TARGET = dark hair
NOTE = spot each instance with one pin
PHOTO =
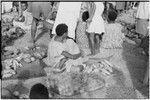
(61, 29)
(24, 2)
(39, 91)
(112, 15)
(85, 15)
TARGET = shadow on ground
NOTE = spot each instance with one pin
(136, 64)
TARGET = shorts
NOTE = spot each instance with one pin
(40, 9)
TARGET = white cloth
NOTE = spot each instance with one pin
(143, 10)
(72, 48)
(97, 24)
(7, 6)
(54, 52)
(68, 13)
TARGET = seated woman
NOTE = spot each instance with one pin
(24, 21)
(61, 50)
(114, 37)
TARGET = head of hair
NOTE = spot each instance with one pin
(85, 15)
(39, 91)
(24, 2)
(112, 15)
(61, 29)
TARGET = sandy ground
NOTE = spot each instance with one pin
(129, 60)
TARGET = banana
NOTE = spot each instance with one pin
(109, 66)
(106, 66)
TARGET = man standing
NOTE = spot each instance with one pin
(38, 10)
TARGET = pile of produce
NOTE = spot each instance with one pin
(9, 67)
(10, 35)
(9, 17)
(38, 51)
(127, 17)
(71, 83)
(104, 67)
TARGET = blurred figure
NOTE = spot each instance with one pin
(143, 19)
(120, 6)
(38, 10)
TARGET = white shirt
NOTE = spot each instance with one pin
(6, 6)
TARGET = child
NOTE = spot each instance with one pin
(96, 26)
(81, 37)
(61, 49)
(39, 91)
(113, 38)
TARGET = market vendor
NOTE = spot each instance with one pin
(62, 51)
(25, 19)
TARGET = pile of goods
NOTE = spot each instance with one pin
(9, 32)
(90, 79)
(38, 51)
(127, 17)
(104, 67)
(9, 35)
(10, 66)
(13, 59)
(9, 17)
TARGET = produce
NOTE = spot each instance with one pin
(8, 73)
(28, 60)
(94, 84)
(32, 59)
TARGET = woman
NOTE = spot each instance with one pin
(68, 13)
(96, 26)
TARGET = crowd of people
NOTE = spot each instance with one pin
(80, 29)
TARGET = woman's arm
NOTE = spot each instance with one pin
(68, 55)
(92, 11)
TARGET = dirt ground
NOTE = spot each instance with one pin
(129, 60)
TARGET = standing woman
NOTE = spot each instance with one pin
(81, 37)
(68, 13)
(96, 26)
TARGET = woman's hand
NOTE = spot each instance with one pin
(89, 20)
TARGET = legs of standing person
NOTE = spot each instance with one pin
(92, 43)
(36, 16)
(46, 9)
(33, 29)
(146, 77)
(97, 43)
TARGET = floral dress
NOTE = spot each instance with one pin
(113, 38)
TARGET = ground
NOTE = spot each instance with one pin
(129, 60)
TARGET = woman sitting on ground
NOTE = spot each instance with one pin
(114, 37)
(61, 50)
